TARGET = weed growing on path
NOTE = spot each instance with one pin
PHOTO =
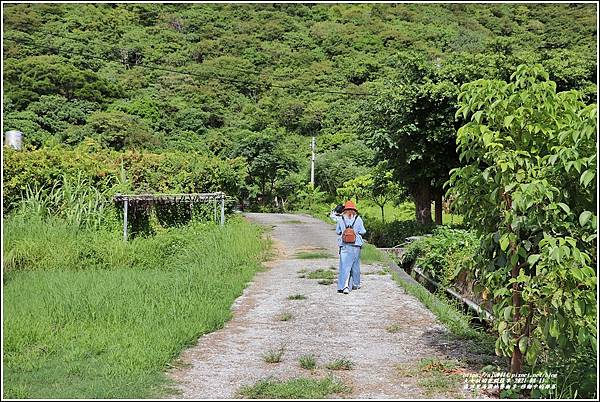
(296, 388)
(435, 375)
(321, 274)
(439, 375)
(274, 355)
(325, 281)
(285, 316)
(341, 364)
(307, 255)
(296, 297)
(308, 362)
(392, 329)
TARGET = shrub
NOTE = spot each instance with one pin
(111, 172)
(443, 255)
(391, 234)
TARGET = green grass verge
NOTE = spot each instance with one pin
(296, 388)
(89, 316)
(457, 322)
(370, 255)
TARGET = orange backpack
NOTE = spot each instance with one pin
(348, 235)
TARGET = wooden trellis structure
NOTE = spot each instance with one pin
(162, 199)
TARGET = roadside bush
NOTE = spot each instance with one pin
(111, 172)
(444, 255)
(391, 234)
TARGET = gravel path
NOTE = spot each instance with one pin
(326, 324)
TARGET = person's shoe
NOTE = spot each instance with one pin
(354, 287)
(346, 291)
(340, 290)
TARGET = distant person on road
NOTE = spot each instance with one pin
(350, 229)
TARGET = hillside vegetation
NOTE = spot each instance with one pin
(255, 81)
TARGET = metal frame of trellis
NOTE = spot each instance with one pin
(152, 199)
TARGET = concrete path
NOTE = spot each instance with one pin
(327, 324)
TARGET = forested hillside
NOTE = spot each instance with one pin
(256, 81)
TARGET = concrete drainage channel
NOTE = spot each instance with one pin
(480, 316)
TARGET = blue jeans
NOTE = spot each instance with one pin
(349, 269)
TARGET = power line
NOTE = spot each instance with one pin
(159, 68)
(232, 69)
(242, 70)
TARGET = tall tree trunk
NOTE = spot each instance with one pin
(438, 208)
(422, 197)
(382, 217)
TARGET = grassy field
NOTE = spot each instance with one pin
(88, 316)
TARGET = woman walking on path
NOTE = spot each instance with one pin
(350, 228)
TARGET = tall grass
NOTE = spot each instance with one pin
(74, 199)
(89, 316)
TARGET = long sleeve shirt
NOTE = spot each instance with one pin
(359, 229)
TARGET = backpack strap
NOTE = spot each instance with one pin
(352, 224)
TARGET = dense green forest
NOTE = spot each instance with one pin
(257, 81)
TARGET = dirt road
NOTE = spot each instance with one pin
(327, 324)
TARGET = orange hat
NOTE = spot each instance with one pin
(350, 205)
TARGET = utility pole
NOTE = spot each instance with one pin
(312, 163)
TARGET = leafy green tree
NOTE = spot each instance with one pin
(383, 188)
(411, 125)
(34, 136)
(62, 118)
(308, 196)
(378, 185)
(287, 189)
(337, 166)
(29, 78)
(528, 187)
(357, 188)
(269, 160)
(118, 131)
